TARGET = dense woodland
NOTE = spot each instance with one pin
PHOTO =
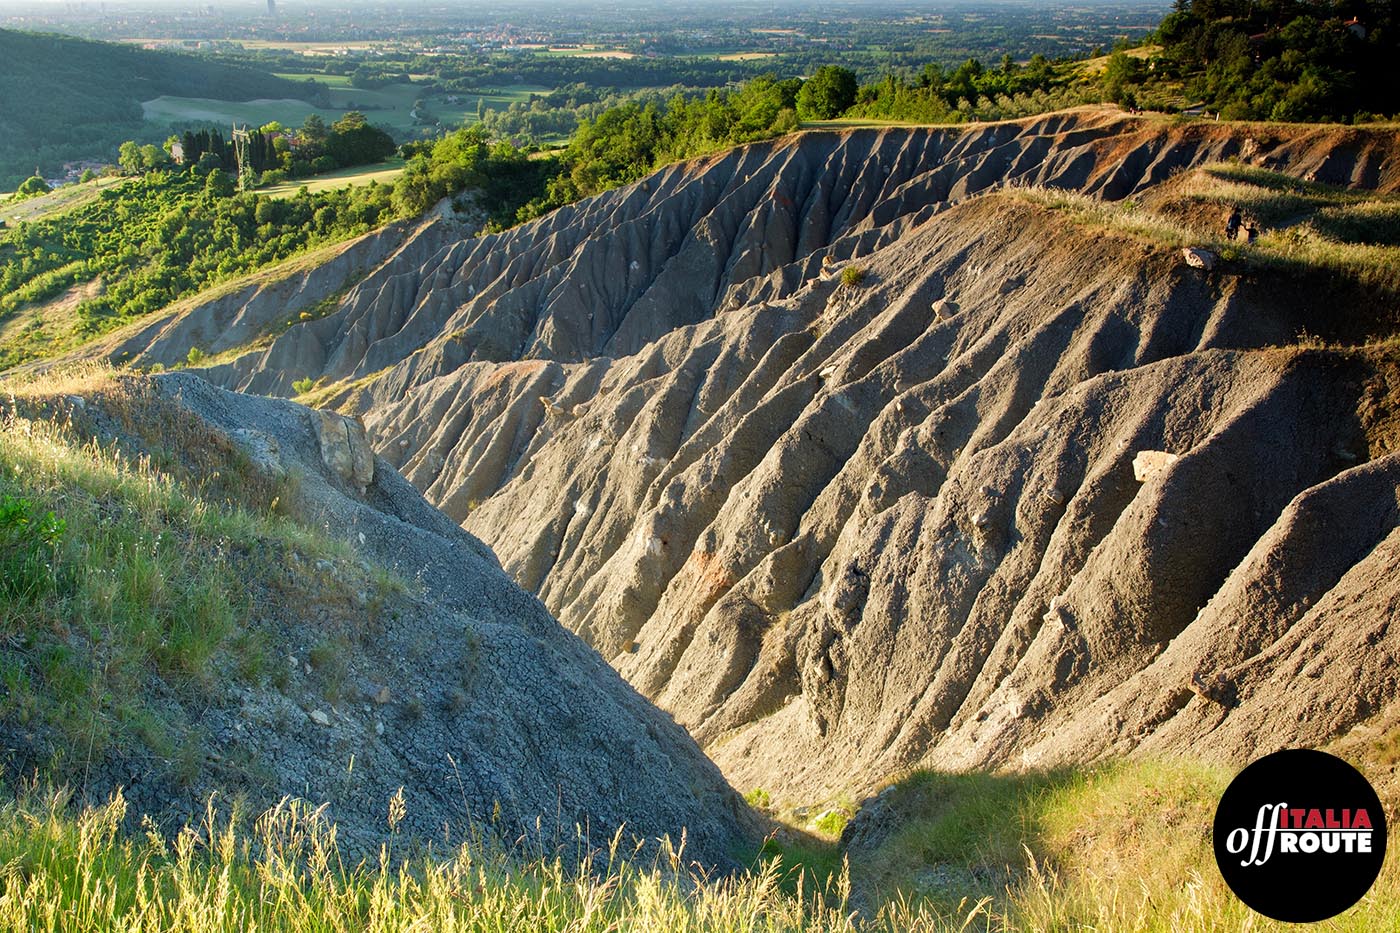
(66, 98)
(502, 177)
(1287, 60)
(974, 91)
(626, 142)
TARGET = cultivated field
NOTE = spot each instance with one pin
(591, 51)
(381, 172)
(390, 106)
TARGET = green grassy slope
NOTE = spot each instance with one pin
(130, 585)
(136, 247)
(55, 203)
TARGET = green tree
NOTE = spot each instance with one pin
(207, 163)
(353, 120)
(219, 183)
(153, 156)
(413, 192)
(963, 83)
(1282, 59)
(1121, 71)
(829, 93)
(31, 187)
(352, 141)
(129, 157)
(313, 129)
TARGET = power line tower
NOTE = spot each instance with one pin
(241, 139)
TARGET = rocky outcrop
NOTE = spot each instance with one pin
(1198, 258)
(837, 535)
(344, 448)
(839, 525)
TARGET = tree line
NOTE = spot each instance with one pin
(273, 154)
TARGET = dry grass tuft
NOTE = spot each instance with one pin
(286, 872)
(1117, 848)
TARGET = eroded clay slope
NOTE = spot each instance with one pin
(840, 529)
(609, 275)
(846, 531)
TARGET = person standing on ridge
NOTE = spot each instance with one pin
(1232, 225)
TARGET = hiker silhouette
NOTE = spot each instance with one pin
(1232, 225)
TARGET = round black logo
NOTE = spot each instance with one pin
(1300, 835)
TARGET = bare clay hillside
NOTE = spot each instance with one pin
(858, 450)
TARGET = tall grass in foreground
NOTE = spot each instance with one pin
(64, 872)
(1120, 848)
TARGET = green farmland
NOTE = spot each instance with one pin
(382, 172)
(389, 106)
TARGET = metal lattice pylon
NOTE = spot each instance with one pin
(241, 139)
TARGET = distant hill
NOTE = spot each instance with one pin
(63, 98)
